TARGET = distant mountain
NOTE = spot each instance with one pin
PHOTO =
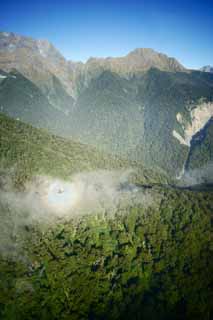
(134, 63)
(138, 117)
(139, 107)
(21, 99)
(37, 60)
(138, 60)
(40, 61)
(207, 69)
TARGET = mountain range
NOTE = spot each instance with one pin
(106, 184)
(144, 107)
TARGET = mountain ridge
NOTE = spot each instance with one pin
(39, 60)
(114, 104)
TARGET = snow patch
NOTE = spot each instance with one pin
(2, 76)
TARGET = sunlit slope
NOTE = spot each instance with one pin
(29, 151)
(136, 116)
(35, 151)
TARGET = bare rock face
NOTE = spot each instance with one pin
(37, 60)
(136, 62)
(198, 118)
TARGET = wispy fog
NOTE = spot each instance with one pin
(46, 201)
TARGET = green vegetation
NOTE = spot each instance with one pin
(31, 152)
(152, 262)
(132, 117)
(135, 116)
(201, 153)
(165, 94)
(34, 152)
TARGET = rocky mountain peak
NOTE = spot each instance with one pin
(39, 61)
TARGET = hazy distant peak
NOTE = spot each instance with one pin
(138, 60)
(147, 54)
(39, 60)
(8, 35)
(10, 42)
(44, 46)
(207, 69)
(142, 52)
(36, 59)
(148, 58)
(75, 65)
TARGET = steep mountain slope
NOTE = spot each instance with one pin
(30, 151)
(108, 114)
(20, 98)
(139, 60)
(37, 60)
(136, 62)
(139, 107)
(145, 262)
(138, 117)
(165, 96)
(201, 153)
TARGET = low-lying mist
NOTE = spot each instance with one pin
(46, 201)
(198, 176)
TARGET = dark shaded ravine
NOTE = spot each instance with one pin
(196, 140)
(207, 187)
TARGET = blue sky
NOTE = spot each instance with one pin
(81, 29)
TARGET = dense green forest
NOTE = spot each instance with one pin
(142, 262)
(33, 152)
(130, 117)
